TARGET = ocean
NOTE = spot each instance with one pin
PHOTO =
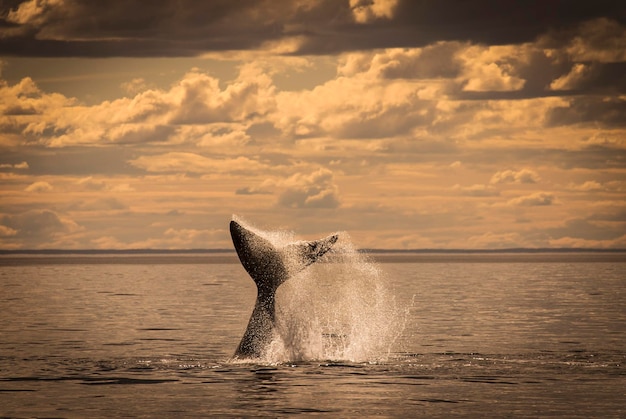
(389, 335)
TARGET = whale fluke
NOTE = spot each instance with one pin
(270, 266)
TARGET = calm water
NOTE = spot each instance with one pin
(497, 336)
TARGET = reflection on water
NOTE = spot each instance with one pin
(482, 339)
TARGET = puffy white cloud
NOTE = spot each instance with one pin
(606, 139)
(21, 166)
(7, 231)
(356, 107)
(590, 185)
(491, 68)
(199, 98)
(535, 199)
(94, 184)
(365, 11)
(313, 190)
(250, 191)
(25, 109)
(40, 186)
(436, 61)
(595, 186)
(227, 137)
(90, 183)
(477, 190)
(151, 116)
(512, 176)
(134, 86)
(573, 79)
(33, 11)
(267, 187)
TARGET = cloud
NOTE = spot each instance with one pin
(136, 85)
(439, 60)
(197, 238)
(183, 162)
(7, 231)
(200, 99)
(40, 186)
(21, 166)
(394, 93)
(362, 106)
(605, 140)
(379, 95)
(603, 111)
(590, 185)
(38, 226)
(169, 239)
(592, 77)
(602, 40)
(595, 186)
(491, 240)
(89, 183)
(573, 79)
(172, 28)
(490, 69)
(251, 191)
(24, 106)
(576, 242)
(195, 105)
(98, 205)
(532, 200)
(167, 28)
(585, 232)
(33, 12)
(512, 176)
(477, 190)
(365, 11)
(313, 190)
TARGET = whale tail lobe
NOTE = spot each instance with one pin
(269, 265)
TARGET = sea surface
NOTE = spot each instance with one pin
(465, 335)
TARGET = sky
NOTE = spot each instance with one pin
(407, 124)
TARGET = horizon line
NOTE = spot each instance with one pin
(364, 250)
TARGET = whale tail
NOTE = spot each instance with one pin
(269, 265)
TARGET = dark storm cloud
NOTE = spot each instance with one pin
(419, 23)
(191, 27)
(501, 22)
(134, 28)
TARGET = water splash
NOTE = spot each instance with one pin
(339, 308)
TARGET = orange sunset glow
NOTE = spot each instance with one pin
(408, 124)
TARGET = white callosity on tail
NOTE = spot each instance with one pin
(339, 308)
